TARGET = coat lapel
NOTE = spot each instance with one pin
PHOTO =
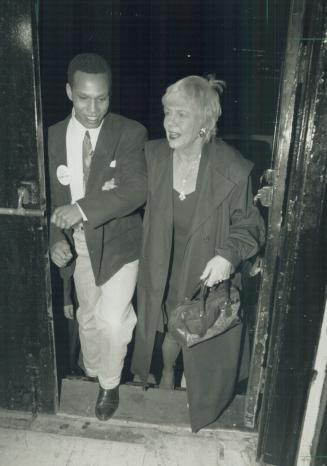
(162, 192)
(163, 184)
(161, 207)
(213, 187)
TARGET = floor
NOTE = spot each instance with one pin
(142, 433)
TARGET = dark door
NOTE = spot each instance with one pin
(27, 367)
(294, 273)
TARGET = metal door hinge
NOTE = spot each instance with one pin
(269, 176)
(265, 196)
(27, 193)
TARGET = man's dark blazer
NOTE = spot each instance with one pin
(113, 228)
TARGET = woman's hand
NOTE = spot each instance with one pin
(217, 270)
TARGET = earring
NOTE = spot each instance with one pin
(202, 132)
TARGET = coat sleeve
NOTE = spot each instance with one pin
(103, 206)
(246, 230)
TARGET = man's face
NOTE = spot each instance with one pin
(90, 97)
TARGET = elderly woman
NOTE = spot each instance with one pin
(199, 223)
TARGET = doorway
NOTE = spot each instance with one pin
(152, 44)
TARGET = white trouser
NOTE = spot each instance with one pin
(106, 316)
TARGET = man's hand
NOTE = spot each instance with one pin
(66, 216)
(69, 311)
(61, 253)
(217, 270)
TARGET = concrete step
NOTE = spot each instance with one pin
(153, 406)
(62, 439)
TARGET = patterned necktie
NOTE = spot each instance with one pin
(87, 152)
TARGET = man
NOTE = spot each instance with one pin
(95, 230)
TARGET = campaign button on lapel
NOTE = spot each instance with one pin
(63, 175)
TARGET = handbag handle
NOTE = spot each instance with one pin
(204, 293)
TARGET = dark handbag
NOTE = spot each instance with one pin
(210, 312)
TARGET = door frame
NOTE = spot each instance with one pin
(298, 282)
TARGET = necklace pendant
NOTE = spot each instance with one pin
(182, 196)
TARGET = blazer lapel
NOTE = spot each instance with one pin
(60, 155)
(103, 153)
(213, 187)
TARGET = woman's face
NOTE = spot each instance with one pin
(182, 123)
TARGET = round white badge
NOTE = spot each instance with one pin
(63, 175)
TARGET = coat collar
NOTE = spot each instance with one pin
(213, 184)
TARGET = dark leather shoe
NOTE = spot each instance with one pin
(107, 403)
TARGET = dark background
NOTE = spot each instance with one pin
(152, 43)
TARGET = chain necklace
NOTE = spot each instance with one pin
(185, 172)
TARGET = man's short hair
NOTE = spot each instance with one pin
(88, 63)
